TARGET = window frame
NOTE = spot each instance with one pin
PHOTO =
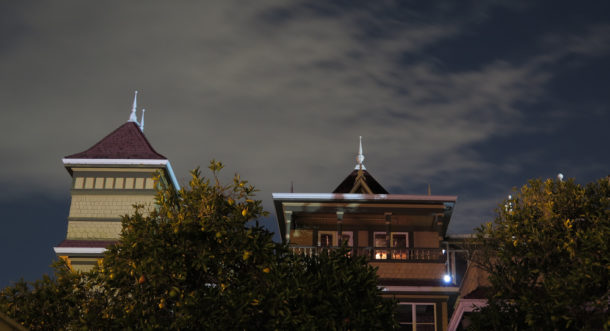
(414, 322)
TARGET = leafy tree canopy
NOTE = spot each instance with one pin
(547, 253)
(195, 263)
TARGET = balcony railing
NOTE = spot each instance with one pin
(382, 253)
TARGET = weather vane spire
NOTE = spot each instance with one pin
(133, 117)
(142, 120)
(360, 157)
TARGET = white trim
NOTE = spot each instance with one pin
(78, 250)
(420, 288)
(464, 306)
(165, 163)
(414, 313)
(115, 161)
(353, 196)
(172, 176)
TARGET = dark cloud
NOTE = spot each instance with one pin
(471, 99)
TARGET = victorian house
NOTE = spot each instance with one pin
(404, 236)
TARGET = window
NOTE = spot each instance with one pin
(79, 182)
(380, 241)
(416, 316)
(326, 240)
(329, 238)
(109, 182)
(346, 237)
(399, 245)
(89, 182)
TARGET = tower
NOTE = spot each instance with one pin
(107, 180)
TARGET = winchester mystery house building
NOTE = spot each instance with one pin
(402, 235)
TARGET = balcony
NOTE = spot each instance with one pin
(434, 255)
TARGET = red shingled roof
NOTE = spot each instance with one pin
(87, 243)
(126, 142)
(348, 183)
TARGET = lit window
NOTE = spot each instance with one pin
(399, 245)
(380, 241)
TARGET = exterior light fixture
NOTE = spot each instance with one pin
(447, 278)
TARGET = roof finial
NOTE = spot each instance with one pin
(142, 120)
(133, 117)
(360, 157)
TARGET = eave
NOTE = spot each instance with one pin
(359, 203)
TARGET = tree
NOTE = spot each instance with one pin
(195, 262)
(548, 258)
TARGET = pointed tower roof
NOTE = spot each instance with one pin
(126, 142)
(360, 180)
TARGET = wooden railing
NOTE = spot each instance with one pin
(381, 254)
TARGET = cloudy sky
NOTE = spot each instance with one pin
(471, 97)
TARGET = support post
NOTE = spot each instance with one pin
(339, 228)
(288, 218)
(388, 224)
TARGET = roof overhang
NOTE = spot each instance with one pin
(464, 306)
(70, 163)
(358, 203)
(79, 251)
(428, 289)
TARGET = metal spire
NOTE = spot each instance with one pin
(133, 117)
(142, 120)
(360, 157)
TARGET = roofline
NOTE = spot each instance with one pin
(279, 199)
(78, 250)
(394, 288)
(363, 197)
(464, 306)
(165, 163)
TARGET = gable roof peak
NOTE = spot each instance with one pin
(360, 180)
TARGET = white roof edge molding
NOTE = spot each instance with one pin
(78, 250)
(420, 288)
(353, 196)
(165, 163)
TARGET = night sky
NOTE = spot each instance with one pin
(470, 97)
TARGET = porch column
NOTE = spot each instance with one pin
(388, 230)
(339, 228)
(288, 218)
